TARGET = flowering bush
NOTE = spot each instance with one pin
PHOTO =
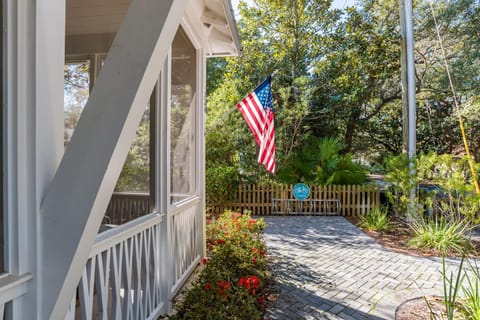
(231, 284)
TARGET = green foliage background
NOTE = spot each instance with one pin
(337, 74)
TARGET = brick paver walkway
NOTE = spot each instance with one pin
(326, 268)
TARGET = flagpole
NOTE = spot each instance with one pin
(409, 92)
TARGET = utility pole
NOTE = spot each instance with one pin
(408, 91)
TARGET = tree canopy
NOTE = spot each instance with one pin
(337, 74)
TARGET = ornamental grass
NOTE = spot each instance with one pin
(441, 234)
(232, 282)
(376, 220)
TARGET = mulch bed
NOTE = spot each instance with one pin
(421, 308)
(397, 239)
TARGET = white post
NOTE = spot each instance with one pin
(408, 79)
(163, 181)
(49, 116)
(78, 195)
(201, 142)
(33, 135)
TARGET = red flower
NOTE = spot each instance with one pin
(255, 250)
(254, 281)
(220, 241)
(244, 282)
(205, 260)
(207, 286)
(261, 300)
(254, 260)
(236, 215)
(222, 284)
(223, 287)
(250, 283)
(252, 221)
(209, 221)
(262, 253)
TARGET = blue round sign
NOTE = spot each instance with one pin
(301, 191)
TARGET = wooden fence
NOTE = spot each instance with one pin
(354, 200)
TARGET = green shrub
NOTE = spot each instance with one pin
(231, 284)
(456, 196)
(440, 234)
(376, 220)
(221, 184)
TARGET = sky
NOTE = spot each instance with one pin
(340, 4)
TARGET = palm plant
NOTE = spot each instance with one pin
(321, 162)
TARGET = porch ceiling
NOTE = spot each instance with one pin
(212, 20)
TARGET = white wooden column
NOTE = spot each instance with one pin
(33, 105)
(163, 181)
(78, 196)
(49, 117)
(19, 145)
(202, 107)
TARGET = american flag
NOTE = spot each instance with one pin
(257, 110)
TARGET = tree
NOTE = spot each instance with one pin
(337, 73)
(458, 25)
(280, 38)
(76, 92)
(135, 175)
(359, 75)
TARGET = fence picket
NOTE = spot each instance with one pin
(354, 199)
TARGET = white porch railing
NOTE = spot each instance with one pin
(126, 275)
(11, 287)
(186, 240)
(121, 279)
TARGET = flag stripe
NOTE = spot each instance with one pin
(253, 114)
(251, 120)
(257, 110)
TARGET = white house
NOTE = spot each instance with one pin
(56, 264)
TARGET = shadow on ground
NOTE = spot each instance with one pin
(296, 293)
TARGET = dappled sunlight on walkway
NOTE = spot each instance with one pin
(326, 268)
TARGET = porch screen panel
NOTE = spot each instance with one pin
(183, 103)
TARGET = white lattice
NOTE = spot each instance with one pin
(121, 279)
(186, 231)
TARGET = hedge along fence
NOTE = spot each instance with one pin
(354, 199)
